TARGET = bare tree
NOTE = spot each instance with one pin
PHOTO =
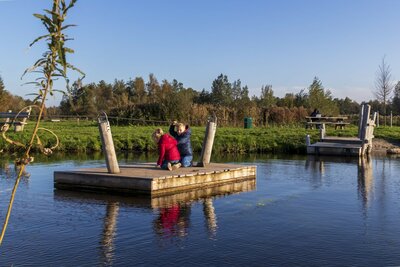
(383, 86)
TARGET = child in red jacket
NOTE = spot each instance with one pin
(169, 156)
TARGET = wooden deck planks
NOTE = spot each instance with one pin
(146, 178)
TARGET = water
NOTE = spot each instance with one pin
(300, 211)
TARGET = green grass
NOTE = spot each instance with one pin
(84, 137)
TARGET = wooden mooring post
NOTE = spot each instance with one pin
(108, 144)
(208, 142)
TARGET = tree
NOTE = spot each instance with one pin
(347, 106)
(104, 96)
(267, 98)
(320, 99)
(396, 99)
(236, 90)
(383, 86)
(266, 102)
(120, 93)
(221, 91)
(137, 91)
(153, 88)
(300, 99)
(287, 101)
(2, 87)
(3, 93)
(204, 97)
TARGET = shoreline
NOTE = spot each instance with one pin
(381, 146)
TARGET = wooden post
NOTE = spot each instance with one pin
(364, 121)
(208, 143)
(371, 126)
(6, 124)
(322, 131)
(108, 144)
(391, 118)
(8, 118)
(366, 135)
(377, 120)
(308, 141)
(20, 127)
(360, 116)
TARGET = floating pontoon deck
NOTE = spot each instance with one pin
(146, 178)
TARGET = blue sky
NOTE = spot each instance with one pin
(285, 43)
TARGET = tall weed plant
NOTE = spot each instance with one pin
(50, 67)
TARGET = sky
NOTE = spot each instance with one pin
(283, 43)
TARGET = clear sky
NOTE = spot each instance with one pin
(285, 43)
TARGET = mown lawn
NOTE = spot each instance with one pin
(84, 137)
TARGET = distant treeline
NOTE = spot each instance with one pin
(9, 101)
(137, 99)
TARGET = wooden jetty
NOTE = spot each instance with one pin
(146, 178)
(347, 146)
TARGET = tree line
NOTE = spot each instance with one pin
(151, 100)
(138, 99)
(9, 101)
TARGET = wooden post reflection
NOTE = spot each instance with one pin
(110, 226)
(365, 180)
(210, 216)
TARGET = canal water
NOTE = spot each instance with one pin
(299, 211)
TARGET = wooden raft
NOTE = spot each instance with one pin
(146, 178)
(347, 146)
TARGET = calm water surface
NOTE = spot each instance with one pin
(300, 211)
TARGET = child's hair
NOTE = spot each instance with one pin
(157, 134)
(180, 126)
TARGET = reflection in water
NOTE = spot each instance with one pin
(364, 173)
(109, 230)
(172, 222)
(10, 171)
(365, 181)
(317, 166)
(211, 217)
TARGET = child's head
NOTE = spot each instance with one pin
(180, 128)
(157, 135)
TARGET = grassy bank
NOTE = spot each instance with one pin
(84, 137)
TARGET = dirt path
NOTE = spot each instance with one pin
(382, 145)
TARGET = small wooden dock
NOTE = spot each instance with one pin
(340, 146)
(146, 178)
(347, 146)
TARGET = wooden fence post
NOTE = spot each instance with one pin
(108, 144)
(377, 120)
(208, 142)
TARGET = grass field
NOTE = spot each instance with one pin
(84, 137)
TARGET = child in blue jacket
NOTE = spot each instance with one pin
(182, 134)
